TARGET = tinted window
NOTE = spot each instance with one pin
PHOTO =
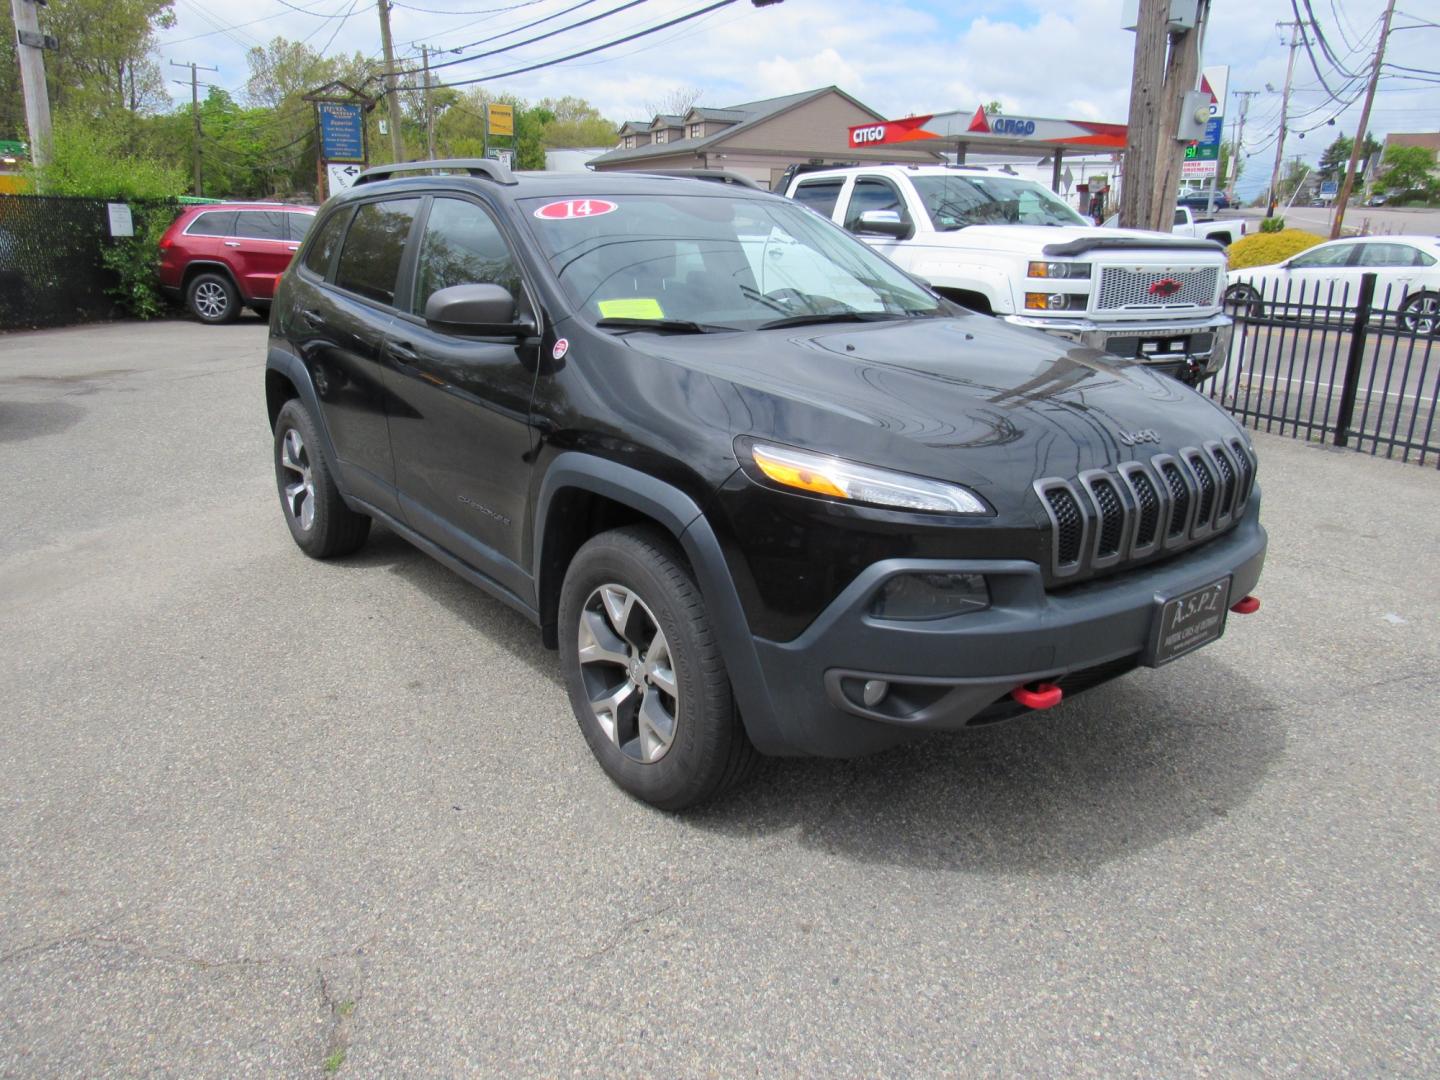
(213, 223)
(1390, 255)
(873, 195)
(1328, 255)
(300, 225)
(957, 199)
(462, 246)
(374, 247)
(321, 251)
(819, 195)
(262, 225)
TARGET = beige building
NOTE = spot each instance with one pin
(758, 139)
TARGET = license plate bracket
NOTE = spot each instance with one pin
(1186, 622)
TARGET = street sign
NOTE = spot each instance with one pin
(342, 131)
(500, 119)
(1329, 187)
(1199, 170)
(505, 157)
(341, 177)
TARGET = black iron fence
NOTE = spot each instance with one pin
(51, 273)
(1352, 362)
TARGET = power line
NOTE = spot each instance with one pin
(515, 29)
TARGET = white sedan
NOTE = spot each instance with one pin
(1327, 276)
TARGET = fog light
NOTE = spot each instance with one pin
(874, 692)
(930, 596)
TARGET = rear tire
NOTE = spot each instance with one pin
(1420, 314)
(1244, 300)
(322, 525)
(644, 672)
(213, 299)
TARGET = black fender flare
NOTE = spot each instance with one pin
(197, 267)
(682, 517)
(293, 368)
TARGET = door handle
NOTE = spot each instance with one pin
(314, 318)
(232, 243)
(294, 247)
(402, 351)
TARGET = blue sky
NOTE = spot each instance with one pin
(1067, 59)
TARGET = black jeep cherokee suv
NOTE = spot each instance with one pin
(765, 492)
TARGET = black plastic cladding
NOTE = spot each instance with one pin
(1108, 518)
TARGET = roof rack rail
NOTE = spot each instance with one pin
(480, 167)
(719, 176)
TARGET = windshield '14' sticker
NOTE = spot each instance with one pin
(575, 208)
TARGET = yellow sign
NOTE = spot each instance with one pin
(501, 119)
(638, 308)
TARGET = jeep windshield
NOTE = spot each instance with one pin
(955, 201)
(706, 263)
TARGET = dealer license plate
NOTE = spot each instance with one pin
(1189, 621)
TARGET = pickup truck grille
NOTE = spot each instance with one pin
(1108, 518)
(1122, 288)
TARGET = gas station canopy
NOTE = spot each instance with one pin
(1000, 134)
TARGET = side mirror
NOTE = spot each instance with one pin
(883, 223)
(482, 310)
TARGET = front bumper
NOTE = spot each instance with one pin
(951, 672)
(1189, 350)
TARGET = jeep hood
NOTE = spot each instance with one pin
(966, 399)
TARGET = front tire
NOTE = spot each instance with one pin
(644, 672)
(322, 525)
(213, 299)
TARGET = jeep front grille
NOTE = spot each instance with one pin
(1122, 288)
(1106, 518)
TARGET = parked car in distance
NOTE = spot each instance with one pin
(1376, 200)
(1185, 223)
(222, 257)
(1200, 200)
(763, 490)
(1407, 271)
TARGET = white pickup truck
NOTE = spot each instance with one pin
(1186, 223)
(1008, 247)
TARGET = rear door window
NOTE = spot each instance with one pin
(1389, 255)
(213, 223)
(262, 225)
(320, 254)
(375, 248)
(300, 225)
(819, 195)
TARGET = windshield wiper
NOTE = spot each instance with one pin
(671, 326)
(833, 316)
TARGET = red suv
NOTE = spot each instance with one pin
(224, 256)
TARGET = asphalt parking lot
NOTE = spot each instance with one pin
(264, 816)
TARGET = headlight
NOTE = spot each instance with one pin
(1038, 301)
(820, 474)
(1058, 270)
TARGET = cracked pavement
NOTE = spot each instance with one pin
(259, 813)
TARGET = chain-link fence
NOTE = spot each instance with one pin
(51, 273)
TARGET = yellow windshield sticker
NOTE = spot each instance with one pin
(638, 308)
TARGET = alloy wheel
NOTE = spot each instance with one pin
(628, 673)
(1422, 315)
(210, 299)
(300, 493)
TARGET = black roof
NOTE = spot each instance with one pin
(555, 184)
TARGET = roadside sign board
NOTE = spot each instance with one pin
(342, 131)
(1329, 187)
(340, 176)
(1199, 170)
(505, 157)
(1208, 148)
(500, 119)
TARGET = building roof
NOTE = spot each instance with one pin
(667, 120)
(752, 112)
(1429, 140)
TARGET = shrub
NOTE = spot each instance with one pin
(91, 158)
(132, 260)
(1266, 248)
(1272, 225)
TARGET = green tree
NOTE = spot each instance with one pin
(576, 123)
(1336, 158)
(107, 56)
(92, 157)
(1409, 169)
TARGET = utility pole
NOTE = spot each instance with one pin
(29, 48)
(1364, 128)
(429, 108)
(195, 69)
(1296, 30)
(397, 141)
(1182, 75)
(1244, 96)
(1147, 86)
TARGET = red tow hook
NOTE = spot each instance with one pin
(1044, 696)
(1246, 606)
